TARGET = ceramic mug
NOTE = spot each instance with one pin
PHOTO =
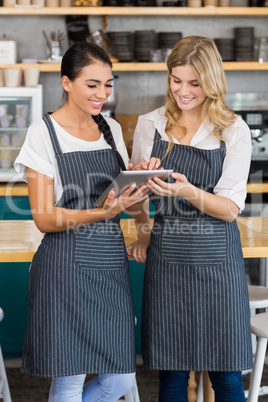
(31, 77)
(12, 77)
(1, 78)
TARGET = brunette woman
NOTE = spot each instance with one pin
(81, 317)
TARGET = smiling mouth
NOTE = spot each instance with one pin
(186, 99)
(96, 104)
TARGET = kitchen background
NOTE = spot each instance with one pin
(138, 92)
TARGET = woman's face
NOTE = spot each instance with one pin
(91, 88)
(186, 89)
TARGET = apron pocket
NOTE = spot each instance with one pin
(99, 246)
(192, 241)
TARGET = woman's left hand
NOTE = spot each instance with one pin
(181, 187)
(138, 250)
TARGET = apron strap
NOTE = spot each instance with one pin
(52, 134)
(157, 140)
(223, 145)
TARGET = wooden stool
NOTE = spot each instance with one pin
(258, 299)
(133, 395)
(4, 387)
(259, 327)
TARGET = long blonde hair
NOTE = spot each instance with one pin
(202, 54)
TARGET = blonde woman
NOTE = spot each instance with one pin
(195, 301)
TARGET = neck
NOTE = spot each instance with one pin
(67, 116)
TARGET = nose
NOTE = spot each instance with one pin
(102, 92)
(184, 88)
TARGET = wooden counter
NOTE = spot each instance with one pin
(21, 189)
(13, 190)
(20, 239)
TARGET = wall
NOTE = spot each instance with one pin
(139, 92)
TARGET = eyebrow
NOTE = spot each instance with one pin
(98, 81)
(177, 78)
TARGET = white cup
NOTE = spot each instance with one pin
(66, 3)
(3, 109)
(9, 3)
(6, 120)
(52, 3)
(12, 77)
(31, 77)
(40, 3)
(1, 78)
(24, 2)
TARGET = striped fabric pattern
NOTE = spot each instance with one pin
(193, 241)
(195, 313)
(95, 240)
(81, 315)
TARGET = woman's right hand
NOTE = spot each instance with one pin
(152, 164)
(129, 197)
(138, 250)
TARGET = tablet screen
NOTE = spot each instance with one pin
(127, 177)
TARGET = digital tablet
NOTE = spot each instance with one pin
(127, 177)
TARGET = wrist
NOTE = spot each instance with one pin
(191, 193)
(105, 213)
(144, 232)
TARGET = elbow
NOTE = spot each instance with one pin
(42, 224)
(230, 219)
(232, 212)
(42, 228)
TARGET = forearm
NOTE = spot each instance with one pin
(61, 219)
(49, 218)
(213, 205)
(140, 213)
(138, 249)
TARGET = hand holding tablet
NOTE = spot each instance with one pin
(127, 177)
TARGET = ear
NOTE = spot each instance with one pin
(66, 83)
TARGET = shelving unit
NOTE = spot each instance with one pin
(228, 66)
(138, 11)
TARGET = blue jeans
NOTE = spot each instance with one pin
(227, 385)
(102, 388)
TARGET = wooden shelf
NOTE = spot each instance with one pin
(140, 11)
(228, 66)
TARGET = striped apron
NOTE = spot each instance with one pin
(195, 300)
(81, 316)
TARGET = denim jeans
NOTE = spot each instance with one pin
(103, 388)
(227, 385)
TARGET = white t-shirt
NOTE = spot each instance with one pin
(38, 154)
(233, 181)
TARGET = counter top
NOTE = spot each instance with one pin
(21, 189)
(20, 239)
(13, 189)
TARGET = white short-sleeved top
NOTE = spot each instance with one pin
(38, 154)
(233, 181)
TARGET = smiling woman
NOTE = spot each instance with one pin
(195, 287)
(80, 303)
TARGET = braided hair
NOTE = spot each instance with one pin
(105, 129)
